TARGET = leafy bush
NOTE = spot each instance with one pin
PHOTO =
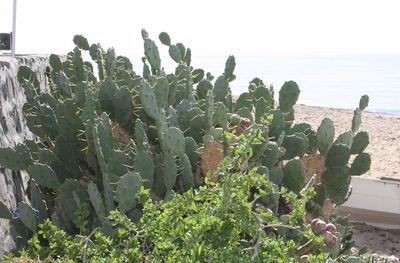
(224, 221)
(105, 133)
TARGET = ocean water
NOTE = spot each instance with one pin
(336, 81)
(328, 80)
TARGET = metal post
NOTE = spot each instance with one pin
(14, 25)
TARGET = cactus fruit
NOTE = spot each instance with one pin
(331, 228)
(360, 142)
(329, 239)
(318, 226)
(210, 158)
(361, 164)
(288, 96)
(325, 135)
(127, 188)
(294, 175)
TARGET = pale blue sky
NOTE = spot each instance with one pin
(209, 27)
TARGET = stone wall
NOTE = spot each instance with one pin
(13, 130)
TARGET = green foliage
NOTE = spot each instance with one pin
(224, 221)
(103, 134)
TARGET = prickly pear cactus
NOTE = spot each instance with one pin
(104, 133)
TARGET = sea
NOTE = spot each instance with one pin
(328, 80)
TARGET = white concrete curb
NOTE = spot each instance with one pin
(374, 201)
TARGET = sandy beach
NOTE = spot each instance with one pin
(383, 129)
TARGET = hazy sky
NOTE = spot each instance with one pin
(209, 27)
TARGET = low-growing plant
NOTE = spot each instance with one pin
(223, 221)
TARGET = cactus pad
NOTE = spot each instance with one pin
(338, 154)
(288, 96)
(345, 138)
(144, 165)
(360, 142)
(96, 200)
(175, 140)
(294, 175)
(170, 171)
(127, 188)
(4, 212)
(164, 38)
(325, 135)
(148, 99)
(361, 164)
(43, 175)
(364, 100)
(28, 216)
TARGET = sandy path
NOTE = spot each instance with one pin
(383, 129)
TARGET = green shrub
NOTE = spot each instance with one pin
(225, 221)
